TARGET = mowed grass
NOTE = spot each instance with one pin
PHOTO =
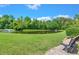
(28, 44)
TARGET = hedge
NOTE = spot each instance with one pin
(72, 31)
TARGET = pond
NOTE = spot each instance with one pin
(37, 31)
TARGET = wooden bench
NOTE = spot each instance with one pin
(72, 46)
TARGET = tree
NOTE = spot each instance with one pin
(18, 24)
(34, 24)
(76, 17)
(76, 20)
(5, 21)
(59, 23)
(63, 22)
(11, 19)
(52, 25)
(27, 22)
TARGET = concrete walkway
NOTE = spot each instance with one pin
(59, 49)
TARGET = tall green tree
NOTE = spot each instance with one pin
(27, 21)
(18, 24)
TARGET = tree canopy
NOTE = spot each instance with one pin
(59, 23)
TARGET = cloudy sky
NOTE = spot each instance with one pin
(39, 10)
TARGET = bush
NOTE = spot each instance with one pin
(72, 31)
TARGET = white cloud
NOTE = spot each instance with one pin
(44, 18)
(33, 6)
(0, 15)
(4, 5)
(51, 17)
(66, 16)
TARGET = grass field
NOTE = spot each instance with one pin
(12, 43)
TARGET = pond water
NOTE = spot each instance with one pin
(37, 32)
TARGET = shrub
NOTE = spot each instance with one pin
(72, 31)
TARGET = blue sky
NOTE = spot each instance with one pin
(39, 10)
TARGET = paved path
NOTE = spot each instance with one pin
(59, 49)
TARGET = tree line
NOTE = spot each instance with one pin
(59, 23)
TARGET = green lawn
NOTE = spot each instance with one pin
(12, 43)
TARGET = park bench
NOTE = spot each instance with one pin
(72, 46)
